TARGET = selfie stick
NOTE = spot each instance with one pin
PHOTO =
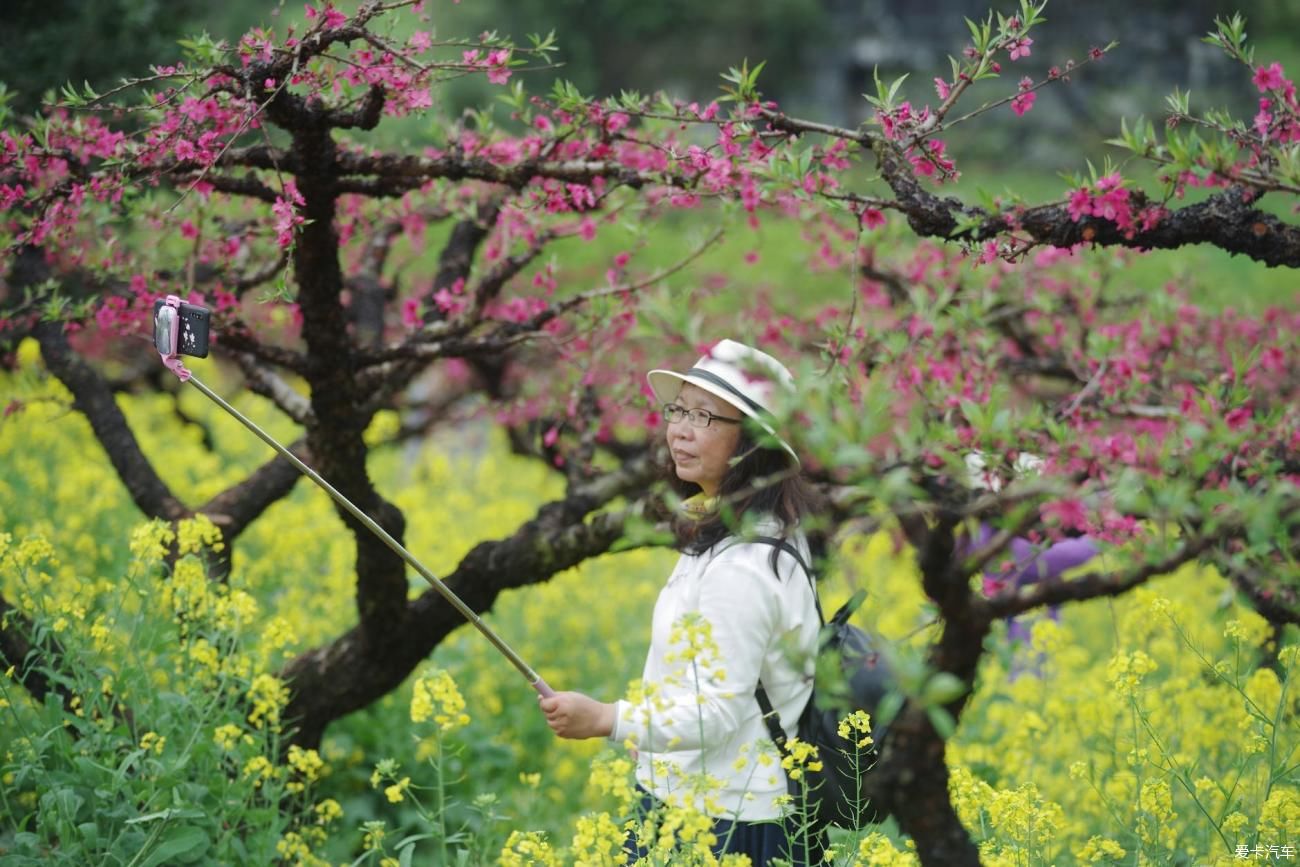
(166, 329)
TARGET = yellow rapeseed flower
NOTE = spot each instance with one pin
(856, 724)
(269, 696)
(1099, 849)
(800, 756)
(598, 841)
(876, 850)
(328, 811)
(396, 793)
(307, 763)
(435, 696)
(527, 849)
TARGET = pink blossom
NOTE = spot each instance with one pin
(551, 435)
(189, 230)
(1269, 77)
(10, 195)
(1079, 204)
(1263, 120)
(1068, 513)
(873, 218)
(411, 313)
(1023, 103)
(286, 217)
(420, 40)
(621, 260)
(616, 122)
(498, 66)
(1238, 418)
(449, 301)
(942, 88)
(582, 196)
(1020, 47)
(587, 229)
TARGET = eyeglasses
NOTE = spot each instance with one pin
(674, 413)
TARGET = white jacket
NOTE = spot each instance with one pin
(704, 717)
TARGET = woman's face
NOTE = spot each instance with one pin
(700, 454)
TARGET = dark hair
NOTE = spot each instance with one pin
(746, 489)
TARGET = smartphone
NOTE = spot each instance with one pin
(180, 328)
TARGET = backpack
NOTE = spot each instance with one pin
(835, 792)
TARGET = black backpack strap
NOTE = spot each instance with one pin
(785, 546)
(771, 719)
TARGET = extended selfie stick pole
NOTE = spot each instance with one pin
(173, 362)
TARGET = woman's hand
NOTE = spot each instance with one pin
(574, 715)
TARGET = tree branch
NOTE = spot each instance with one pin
(261, 380)
(238, 506)
(94, 399)
(1094, 584)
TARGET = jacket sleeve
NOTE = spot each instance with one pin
(714, 662)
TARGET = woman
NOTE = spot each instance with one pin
(753, 595)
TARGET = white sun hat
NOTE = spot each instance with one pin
(743, 376)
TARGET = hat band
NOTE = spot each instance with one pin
(722, 383)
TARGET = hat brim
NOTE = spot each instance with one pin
(667, 384)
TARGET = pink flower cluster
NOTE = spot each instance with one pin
(332, 18)
(496, 62)
(1278, 119)
(1109, 200)
(287, 217)
(1025, 99)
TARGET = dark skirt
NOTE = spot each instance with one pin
(761, 841)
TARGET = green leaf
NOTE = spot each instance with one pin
(889, 707)
(181, 845)
(942, 688)
(942, 721)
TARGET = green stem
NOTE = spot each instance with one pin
(440, 796)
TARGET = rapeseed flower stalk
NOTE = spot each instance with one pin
(1126, 670)
(856, 727)
(692, 636)
(372, 835)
